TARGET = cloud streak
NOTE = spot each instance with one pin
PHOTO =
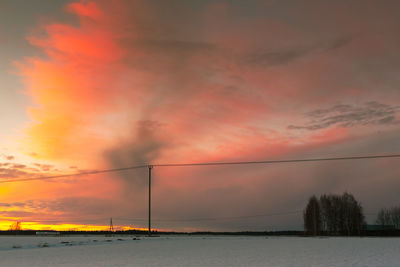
(371, 113)
(283, 57)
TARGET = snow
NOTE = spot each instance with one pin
(197, 251)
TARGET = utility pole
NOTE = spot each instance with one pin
(149, 228)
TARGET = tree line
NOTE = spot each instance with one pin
(334, 215)
(389, 218)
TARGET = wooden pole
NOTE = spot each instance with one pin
(149, 226)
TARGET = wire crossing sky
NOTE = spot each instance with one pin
(202, 164)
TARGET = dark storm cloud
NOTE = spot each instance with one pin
(346, 115)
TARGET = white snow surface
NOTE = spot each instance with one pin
(98, 251)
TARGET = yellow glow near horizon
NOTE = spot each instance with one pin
(5, 225)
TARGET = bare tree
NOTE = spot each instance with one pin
(336, 215)
(312, 217)
(395, 212)
(381, 218)
(389, 217)
(15, 226)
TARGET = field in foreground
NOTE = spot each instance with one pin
(197, 251)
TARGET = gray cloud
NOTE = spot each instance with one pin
(286, 56)
(143, 148)
(277, 57)
(344, 115)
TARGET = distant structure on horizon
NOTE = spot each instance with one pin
(111, 226)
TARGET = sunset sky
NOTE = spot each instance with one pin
(91, 85)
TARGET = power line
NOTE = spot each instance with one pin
(203, 164)
(276, 161)
(71, 220)
(73, 174)
(211, 218)
(178, 220)
(229, 218)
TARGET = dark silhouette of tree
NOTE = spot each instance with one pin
(396, 217)
(338, 215)
(15, 226)
(389, 217)
(312, 217)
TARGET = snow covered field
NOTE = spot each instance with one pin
(197, 251)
